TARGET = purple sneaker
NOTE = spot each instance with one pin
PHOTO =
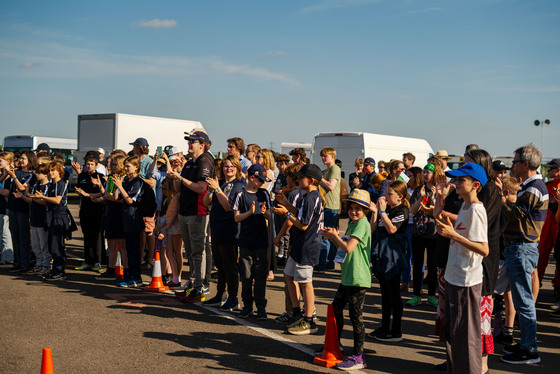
(352, 363)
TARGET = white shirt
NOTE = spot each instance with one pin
(464, 267)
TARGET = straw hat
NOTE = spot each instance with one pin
(360, 197)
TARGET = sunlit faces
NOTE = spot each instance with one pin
(356, 212)
(304, 182)
(464, 185)
(54, 174)
(90, 167)
(427, 176)
(4, 164)
(229, 169)
(327, 159)
(393, 198)
(195, 146)
(130, 169)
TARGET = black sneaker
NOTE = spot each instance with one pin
(521, 357)
(230, 305)
(511, 348)
(389, 337)
(107, 276)
(261, 314)
(215, 301)
(377, 331)
(246, 312)
(55, 277)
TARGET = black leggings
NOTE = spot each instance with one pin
(354, 297)
(419, 245)
(391, 303)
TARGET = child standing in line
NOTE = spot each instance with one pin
(355, 248)
(307, 219)
(389, 222)
(130, 189)
(38, 222)
(57, 219)
(463, 273)
(251, 209)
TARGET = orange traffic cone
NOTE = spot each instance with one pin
(47, 363)
(331, 350)
(118, 266)
(157, 283)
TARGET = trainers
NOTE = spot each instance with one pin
(55, 277)
(35, 270)
(230, 305)
(138, 282)
(246, 312)
(315, 319)
(97, 267)
(432, 300)
(261, 314)
(173, 286)
(83, 266)
(352, 363)
(304, 328)
(378, 331)
(283, 319)
(108, 276)
(522, 356)
(511, 348)
(414, 300)
(389, 337)
(206, 290)
(215, 301)
(44, 272)
(194, 296)
(294, 320)
(126, 283)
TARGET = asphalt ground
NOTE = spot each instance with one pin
(97, 327)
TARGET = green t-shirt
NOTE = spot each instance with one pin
(355, 269)
(332, 198)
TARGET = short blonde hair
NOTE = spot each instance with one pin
(328, 151)
(510, 184)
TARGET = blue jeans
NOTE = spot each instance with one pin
(521, 260)
(328, 249)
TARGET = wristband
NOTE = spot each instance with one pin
(217, 190)
(383, 212)
(289, 215)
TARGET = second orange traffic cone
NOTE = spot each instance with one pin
(47, 363)
(157, 283)
(331, 350)
(118, 266)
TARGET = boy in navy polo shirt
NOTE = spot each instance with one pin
(251, 208)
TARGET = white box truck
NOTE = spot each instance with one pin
(118, 130)
(351, 145)
(286, 148)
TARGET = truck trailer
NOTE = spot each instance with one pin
(117, 130)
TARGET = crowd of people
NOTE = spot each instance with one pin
(483, 237)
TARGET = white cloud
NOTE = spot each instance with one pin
(159, 23)
(326, 5)
(60, 61)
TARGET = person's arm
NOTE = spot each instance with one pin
(238, 216)
(16, 181)
(333, 235)
(523, 206)
(117, 180)
(445, 228)
(330, 184)
(153, 164)
(417, 200)
(387, 223)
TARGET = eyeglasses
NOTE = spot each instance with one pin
(194, 141)
(259, 157)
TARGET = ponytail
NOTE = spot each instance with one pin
(317, 183)
(400, 187)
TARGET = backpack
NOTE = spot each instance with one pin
(147, 205)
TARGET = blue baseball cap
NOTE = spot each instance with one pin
(258, 171)
(141, 142)
(369, 161)
(472, 170)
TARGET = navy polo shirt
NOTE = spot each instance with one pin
(306, 245)
(253, 231)
(38, 212)
(132, 220)
(57, 189)
(222, 224)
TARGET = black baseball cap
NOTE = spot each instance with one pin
(198, 135)
(553, 164)
(310, 171)
(43, 147)
(499, 166)
(141, 142)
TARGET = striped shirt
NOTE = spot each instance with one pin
(526, 217)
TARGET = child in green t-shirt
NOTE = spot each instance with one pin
(354, 258)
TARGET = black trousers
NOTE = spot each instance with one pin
(391, 304)
(225, 259)
(419, 247)
(92, 228)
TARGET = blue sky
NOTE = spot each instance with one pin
(452, 72)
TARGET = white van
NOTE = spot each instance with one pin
(351, 145)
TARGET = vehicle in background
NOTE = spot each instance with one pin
(455, 161)
(117, 130)
(65, 146)
(286, 147)
(351, 145)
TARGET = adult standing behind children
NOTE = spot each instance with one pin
(525, 222)
(331, 184)
(193, 215)
(141, 149)
(235, 148)
(298, 155)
